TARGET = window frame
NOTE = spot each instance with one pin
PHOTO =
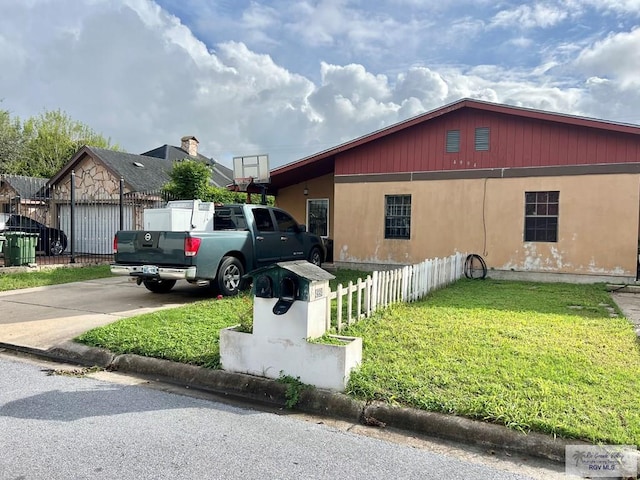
(308, 218)
(263, 214)
(541, 216)
(393, 220)
(285, 221)
(229, 218)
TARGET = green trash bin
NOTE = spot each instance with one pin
(20, 248)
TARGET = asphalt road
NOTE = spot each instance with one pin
(42, 317)
(61, 427)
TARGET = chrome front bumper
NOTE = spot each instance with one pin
(153, 271)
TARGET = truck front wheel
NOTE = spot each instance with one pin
(230, 276)
(159, 286)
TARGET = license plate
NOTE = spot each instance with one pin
(149, 269)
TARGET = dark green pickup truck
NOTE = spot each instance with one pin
(243, 238)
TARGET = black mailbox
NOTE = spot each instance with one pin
(263, 286)
(288, 295)
(290, 282)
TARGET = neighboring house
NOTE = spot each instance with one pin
(533, 192)
(25, 196)
(221, 176)
(97, 189)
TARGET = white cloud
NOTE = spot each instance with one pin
(616, 57)
(521, 42)
(355, 82)
(422, 84)
(257, 21)
(260, 16)
(618, 6)
(317, 23)
(540, 15)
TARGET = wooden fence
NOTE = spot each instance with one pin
(382, 288)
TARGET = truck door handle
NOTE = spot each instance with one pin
(259, 238)
(284, 239)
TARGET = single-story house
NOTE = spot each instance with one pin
(536, 194)
(221, 176)
(25, 196)
(97, 189)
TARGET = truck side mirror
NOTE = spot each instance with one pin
(288, 290)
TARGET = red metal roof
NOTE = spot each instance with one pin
(323, 163)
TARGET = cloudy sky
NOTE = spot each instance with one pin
(293, 77)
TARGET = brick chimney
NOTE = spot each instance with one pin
(190, 145)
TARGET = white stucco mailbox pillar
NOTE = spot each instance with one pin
(290, 309)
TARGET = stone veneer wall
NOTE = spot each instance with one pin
(93, 181)
(29, 208)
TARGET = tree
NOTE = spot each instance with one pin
(12, 146)
(52, 139)
(190, 179)
(41, 145)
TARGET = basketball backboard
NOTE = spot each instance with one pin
(255, 167)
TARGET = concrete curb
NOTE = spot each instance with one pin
(315, 401)
(469, 431)
(76, 352)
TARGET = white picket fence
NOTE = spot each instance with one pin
(380, 289)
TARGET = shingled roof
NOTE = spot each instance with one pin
(25, 187)
(146, 172)
(140, 173)
(221, 175)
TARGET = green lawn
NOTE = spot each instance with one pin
(518, 354)
(540, 357)
(14, 281)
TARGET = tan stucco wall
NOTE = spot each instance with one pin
(598, 223)
(293, 200)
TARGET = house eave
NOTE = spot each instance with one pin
(306, 168)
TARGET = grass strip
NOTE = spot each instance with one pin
(542, 357)
(54, 276)
(188, 334)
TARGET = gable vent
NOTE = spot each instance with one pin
(482, 138)
(453, 141)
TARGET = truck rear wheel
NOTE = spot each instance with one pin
(159, 286)
(229, 277)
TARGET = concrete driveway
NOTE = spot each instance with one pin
(43, 317)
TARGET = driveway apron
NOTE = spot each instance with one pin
(43, 317)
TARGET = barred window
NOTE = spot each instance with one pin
(397, 220)
(541, 216)
(318, 216)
